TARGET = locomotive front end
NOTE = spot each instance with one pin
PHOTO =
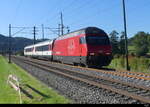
(99, 49)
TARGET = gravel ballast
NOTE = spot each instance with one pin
(77, 91)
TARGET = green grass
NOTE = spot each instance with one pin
(136, 64)
(131, 49)
(9, 96)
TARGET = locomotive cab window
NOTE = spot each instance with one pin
(98, 40)
(82, 40)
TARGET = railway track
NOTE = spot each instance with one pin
(138, 93)
(128, 74)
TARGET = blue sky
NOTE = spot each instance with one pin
(105, 14)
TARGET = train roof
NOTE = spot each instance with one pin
(44, 42)
(87, 30)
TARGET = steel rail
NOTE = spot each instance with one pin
(95, 76)
(119, 73)
(98, 77)
(143, 76)
(110, 88)
(136, 75)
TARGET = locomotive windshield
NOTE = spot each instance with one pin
(97, 40)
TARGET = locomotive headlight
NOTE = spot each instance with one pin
(108, 53)
(92, 54)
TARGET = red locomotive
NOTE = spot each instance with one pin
(87, 47)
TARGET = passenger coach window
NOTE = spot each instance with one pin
(29, 50)
(82, 40)
(43, 48)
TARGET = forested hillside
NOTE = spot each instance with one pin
(18, 43)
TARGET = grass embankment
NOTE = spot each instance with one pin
(136, 64)
(37, 93)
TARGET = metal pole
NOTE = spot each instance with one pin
(9, 43)
(34, 33)
(126, 38)
(43, 31)
(68, 29)
(62, 25)
(42, 36)
(59, 28)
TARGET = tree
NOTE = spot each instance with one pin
(149, 42)
(141, 43)
(142, 51)
(122, 43)
(114, 41)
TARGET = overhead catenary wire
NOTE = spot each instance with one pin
(67, 9)
(54, 8)
(86, 4)
(17, 11)
(83, 21)
(70, 11)
(90, 18)
(69, 6)
(83, 5)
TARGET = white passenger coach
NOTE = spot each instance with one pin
(40, 50)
